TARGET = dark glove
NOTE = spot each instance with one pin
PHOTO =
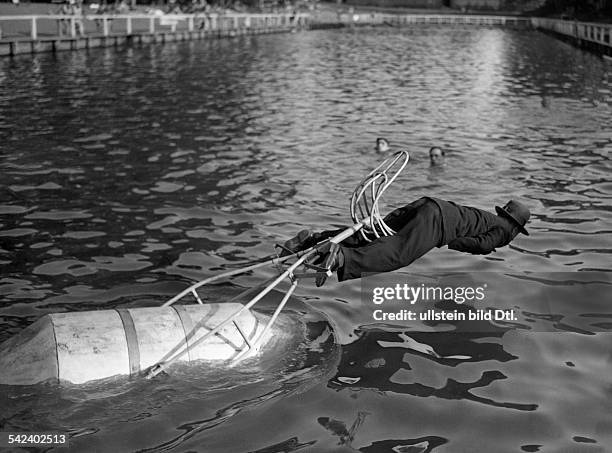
(331, 255)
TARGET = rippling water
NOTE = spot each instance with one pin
(127, 174)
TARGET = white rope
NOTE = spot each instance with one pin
(366, 196)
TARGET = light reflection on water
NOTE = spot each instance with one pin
(128, 173)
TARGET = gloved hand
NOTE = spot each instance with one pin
(331, 255)
(297, 243)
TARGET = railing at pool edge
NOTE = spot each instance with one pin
(591, 35)
(205, 22)
(437, 19)
(214, 22)
(594, 36)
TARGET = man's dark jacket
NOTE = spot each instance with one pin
(473, 230)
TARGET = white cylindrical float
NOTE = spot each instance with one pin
(83, 346)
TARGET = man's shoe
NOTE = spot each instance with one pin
(297, 243)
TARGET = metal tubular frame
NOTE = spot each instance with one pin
(369, 218)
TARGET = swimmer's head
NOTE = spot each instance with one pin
(436, 155)
(382, 145)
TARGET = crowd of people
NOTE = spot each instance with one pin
(76, 10)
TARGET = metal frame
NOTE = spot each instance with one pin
(369, 219)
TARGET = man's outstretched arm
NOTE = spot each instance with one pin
(482, 244)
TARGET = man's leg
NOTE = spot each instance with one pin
(395, 220)
(399, 217)
(421, 232)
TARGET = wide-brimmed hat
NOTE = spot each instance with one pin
(517, 212)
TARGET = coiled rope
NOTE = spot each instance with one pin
(367, 194)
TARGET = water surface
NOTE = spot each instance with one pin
(128, 174)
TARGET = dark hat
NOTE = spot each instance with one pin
(516, 212)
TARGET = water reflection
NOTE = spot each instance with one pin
(365, 365)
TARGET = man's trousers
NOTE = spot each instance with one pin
(419, 229)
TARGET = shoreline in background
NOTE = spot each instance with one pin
(8, 9)
(43, 32)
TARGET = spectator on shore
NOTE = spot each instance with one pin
(104, 9)
(202, 9)
(122, 7)
(63, 25)
(436, 156)
(173, 7)
(77, 11)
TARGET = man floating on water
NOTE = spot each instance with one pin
(420, 226)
